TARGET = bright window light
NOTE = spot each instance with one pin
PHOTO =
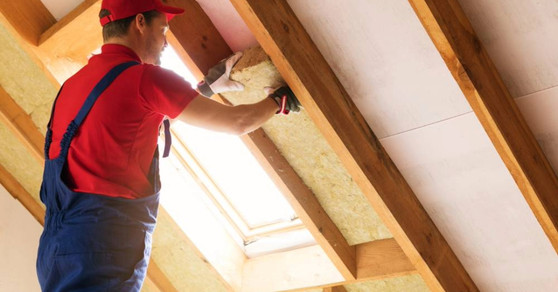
(170, 60)
(249, 205)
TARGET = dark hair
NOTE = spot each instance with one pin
(120, 27)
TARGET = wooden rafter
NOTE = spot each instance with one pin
(30, 18)
(381, 259)
(19, 193)
(197, 37)
(335, 289)
(209, 49)
(20, 123)
(472, 68)
(297, 58)
(81, 23)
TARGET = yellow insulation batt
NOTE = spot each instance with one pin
(302, 144)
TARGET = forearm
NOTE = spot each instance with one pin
(255, 115)
(237, 120)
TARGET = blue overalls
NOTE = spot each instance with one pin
(92, 242)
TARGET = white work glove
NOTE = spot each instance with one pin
(218, 79)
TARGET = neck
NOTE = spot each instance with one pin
(127, 42)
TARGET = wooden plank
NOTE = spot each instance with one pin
(19, 193)
(76, 35)
(381, 259)
(335, 289)
(159, 278)
(57, 66)
(472, 68)
(20, 123)
(30, 18)
(28, 48)
(200, 59)
(304, 202)
(198, 36)
(295, 55)
(294, 269)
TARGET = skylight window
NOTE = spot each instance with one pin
(239, 191)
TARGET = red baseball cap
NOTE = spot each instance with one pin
(120, 9)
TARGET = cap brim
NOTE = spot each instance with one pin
(170, 11)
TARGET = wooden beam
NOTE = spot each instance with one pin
(295, 269)
(472, 68)
(298, 59)
(382, 259)
(199, 59)
(21, 125)
(76, 35)
(30, 49)
(335, 289)
(197, 35)
(19, 19)
(30, 18)
(19, 193)
(304, 202)
(379, 259)
(159, 278)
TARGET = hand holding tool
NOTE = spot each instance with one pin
(286, 100)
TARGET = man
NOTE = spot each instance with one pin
(101, 181)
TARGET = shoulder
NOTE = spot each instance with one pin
(156, 76)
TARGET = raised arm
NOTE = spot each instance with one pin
(240, 119)
(209, 114)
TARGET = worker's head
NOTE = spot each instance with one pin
(142, 24)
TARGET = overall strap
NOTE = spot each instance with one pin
(48, 135)
(88, 104)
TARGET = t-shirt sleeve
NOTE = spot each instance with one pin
(164, 91)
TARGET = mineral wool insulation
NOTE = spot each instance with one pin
(306, 150)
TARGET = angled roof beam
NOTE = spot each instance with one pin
(19, 193)
(20, 123)
(472, 68)
(378, 259)
(201, 46)
(335, 289)
(76, 35)
(298, 59)
(30, 18)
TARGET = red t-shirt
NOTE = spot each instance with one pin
(112, 150)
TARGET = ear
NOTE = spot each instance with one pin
(140, 23)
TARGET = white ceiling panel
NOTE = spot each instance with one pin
(541, 113)
(59, 8)
(521, 37)
(385, 60)
(468, 192)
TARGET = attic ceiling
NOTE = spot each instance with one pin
(428, 98)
